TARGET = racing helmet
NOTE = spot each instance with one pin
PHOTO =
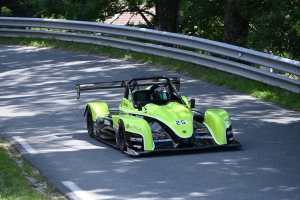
(161, 95)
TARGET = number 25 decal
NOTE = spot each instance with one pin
(180, 122)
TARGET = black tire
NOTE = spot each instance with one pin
(89, 122)
(122, 137)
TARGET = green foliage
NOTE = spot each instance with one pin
(17, 8)
(202, 19)
(274, 26)
(84, 10)
(5, 12)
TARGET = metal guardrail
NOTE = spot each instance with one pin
(163, 44)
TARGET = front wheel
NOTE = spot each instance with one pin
(89, 122)
(122, 137)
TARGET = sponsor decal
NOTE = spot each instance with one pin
(133, 127)
(137, 146)
(162, 140)
(161, 137)
(158, 135)
(137, 128)
(202, 130)
(133, 139)
(204, 137)
(180, 122)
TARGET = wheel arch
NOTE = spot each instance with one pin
(98, 109)
(217, 121)
(135, 125)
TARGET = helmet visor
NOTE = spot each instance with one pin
(163, 96)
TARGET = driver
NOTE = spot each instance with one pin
(161, 96)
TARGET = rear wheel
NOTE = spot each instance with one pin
(89, 122)
(122, 137)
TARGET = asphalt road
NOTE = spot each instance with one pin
(39, 113)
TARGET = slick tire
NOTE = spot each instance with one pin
(89, 123)
(122, 137)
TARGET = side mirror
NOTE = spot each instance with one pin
(192, 103)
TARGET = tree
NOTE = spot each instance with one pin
(17, 8)
(5, 11)
(165, 19)
(203, 19)
(236, 27)
(84, 10)
(274, 26)
(167, 12)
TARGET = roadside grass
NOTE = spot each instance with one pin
(256, 89)
(20, 180)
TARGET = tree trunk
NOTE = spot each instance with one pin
(167, 15)
(236, 28)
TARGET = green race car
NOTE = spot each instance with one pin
(153, 116)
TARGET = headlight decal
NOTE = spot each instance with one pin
(203, 136)
(161, 139)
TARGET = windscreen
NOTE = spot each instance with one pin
(141, 97)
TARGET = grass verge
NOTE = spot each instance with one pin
(20, 180)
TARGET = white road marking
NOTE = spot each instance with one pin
(25, 145)
(77, 190)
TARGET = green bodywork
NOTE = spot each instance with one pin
(217, 121)
(98, 109)
(136, 125)
(176, 116)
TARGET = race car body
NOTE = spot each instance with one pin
(153, 116)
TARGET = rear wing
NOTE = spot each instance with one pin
(131, 83)
(99, 86)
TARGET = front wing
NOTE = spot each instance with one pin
(234, 144)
